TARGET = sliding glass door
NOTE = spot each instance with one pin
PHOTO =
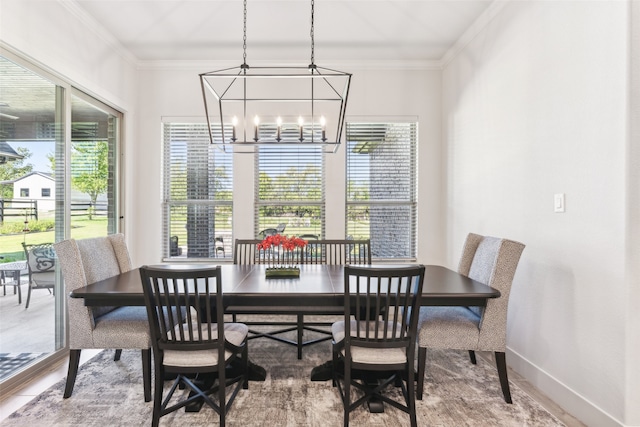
(58, 179)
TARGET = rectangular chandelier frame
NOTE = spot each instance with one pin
(254, 106)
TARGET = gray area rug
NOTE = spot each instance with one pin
(457, 393)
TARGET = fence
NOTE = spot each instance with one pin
(28, 209)
(88, 208)
(18, 208)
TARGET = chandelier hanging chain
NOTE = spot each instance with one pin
(244, 35)
(312, 32)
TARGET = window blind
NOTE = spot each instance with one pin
(198, 194)
(381, 187)
(289, 190)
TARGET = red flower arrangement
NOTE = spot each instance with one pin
(287, 243)
(283, 262)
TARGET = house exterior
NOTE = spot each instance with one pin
(36, 186)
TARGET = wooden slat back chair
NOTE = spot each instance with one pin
(88, 261)
(489, 260)
(337, 252)
(246, 252)
(332, 252)
(41, 263)
(185, 312)
(375, 342)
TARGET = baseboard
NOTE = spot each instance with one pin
(571, 401)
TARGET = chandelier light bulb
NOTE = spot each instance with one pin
(301, 124)
(256, 122)
(234, 123)
(323, 125)
(279, 123)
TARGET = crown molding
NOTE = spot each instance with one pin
(208, 65)
(472, 32)
(98, 29)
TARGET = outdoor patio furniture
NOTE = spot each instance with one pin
(10, 276)
(41, 262)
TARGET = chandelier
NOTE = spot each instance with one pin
(257, 106)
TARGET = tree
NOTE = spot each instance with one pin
(12, 170)
(90, 169)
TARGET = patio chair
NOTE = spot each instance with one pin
(219, 242)
(41, 263)
(88, 261)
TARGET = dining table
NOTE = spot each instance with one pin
(317, 286)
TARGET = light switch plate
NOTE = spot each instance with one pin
(558, 203)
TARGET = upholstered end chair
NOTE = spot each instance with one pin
(88, 261)
(491, 261)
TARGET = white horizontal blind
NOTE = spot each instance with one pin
(381, 187)
(198, 194)
(290, 190)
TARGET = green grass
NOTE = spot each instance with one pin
(82, 228)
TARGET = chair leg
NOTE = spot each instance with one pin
(347, 392)
(501, 364)
(146, 374)
(116, 356)
(28, 297)
(300, 329)
(472, 356)
(422, 361)
(411, 394)
(157, 394)
(74, 362)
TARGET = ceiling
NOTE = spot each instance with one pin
(278, 30)
(151, 31)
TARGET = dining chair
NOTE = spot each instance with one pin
(41, 263)
(87, 261)
(491, 261)
(189, 336)
(375, 343)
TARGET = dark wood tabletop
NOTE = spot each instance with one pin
(318, 285)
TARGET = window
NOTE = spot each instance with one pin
(381, 187)
(24, 192)
(45, 192)
(198, 194)
(289, 192)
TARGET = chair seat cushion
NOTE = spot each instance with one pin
(448, 327)
(123, 327)
(374, 356)
(235, 333)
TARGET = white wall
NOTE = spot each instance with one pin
(536, 104)
(173, 91)
(66, 42)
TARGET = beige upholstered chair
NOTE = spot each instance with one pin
(88, 261)
(491, 261)
(195, 344)
(377, 336)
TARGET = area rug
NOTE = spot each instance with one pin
(12, 362)
(457, 393)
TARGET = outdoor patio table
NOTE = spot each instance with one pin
(12, 270)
